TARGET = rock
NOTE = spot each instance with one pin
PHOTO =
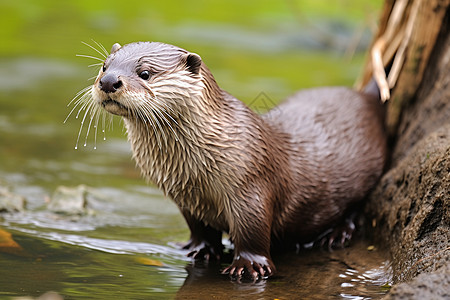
(71, 200)
(10, 202)
(410, 207)
(435, 285)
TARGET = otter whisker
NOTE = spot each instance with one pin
(101, 47)
(95, 49)
(131, 110)
(146, 115)
(85, 96)
(79, 93)
(104, 125)
(158, 111)
(89, 56)
(83, 107)
(95, 65)
(161, 108)
(93, 113)
(98, 112)
(70, 113)
(81, 128)
(84, 100)
(147, 118)
(163, 104)
(110, 125)
(149, 115)
(89, 108)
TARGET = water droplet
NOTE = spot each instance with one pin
(95, 148)
(84, 144)
(76, 147)
(104, 138)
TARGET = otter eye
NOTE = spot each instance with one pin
(104, 68)
(144, 75)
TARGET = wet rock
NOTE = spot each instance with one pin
(411, 208)
(435, 285)
(10, 202)
(71, 200)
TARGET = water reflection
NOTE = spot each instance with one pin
(352, 273)
(366, 284)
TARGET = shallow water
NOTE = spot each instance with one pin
(81, 267)
(128, 248)
(127, 244)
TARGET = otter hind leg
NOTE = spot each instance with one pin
(340, 235)
(205, 241)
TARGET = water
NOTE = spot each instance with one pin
(127, 244)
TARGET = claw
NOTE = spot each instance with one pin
(203, 251)
(338, 236)
(256, 270)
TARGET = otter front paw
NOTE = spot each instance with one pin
(203, 251)
(255, 265)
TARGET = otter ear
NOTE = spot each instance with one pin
(115, 47)
(193, 63)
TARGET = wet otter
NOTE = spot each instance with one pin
(288, 175)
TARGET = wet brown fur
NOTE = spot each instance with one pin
(287, 175)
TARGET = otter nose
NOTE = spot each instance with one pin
(110, 83)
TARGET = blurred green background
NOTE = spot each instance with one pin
(275, 47)
(296, 43)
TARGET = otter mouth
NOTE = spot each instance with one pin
(109, 101)
(114, 107)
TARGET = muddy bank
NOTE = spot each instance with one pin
(410, 207)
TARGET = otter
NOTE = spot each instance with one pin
(282, 177)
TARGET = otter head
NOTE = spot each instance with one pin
(140, 80)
